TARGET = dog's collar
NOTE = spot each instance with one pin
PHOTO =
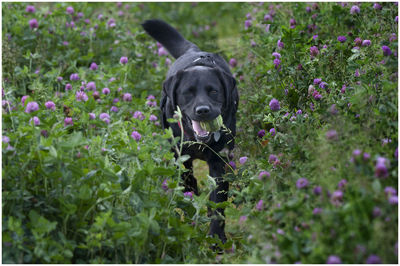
(204, 59)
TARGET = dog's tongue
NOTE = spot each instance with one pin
(198, 129)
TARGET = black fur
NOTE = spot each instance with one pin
(203, 87)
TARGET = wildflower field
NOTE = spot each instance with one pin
(88, 173)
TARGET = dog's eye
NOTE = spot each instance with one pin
(213, 92)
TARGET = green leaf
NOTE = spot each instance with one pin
(40, 224)
(85, 192)
(376, 186)
(162, 171)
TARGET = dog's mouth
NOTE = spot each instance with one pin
(200, 133)
(203, 130)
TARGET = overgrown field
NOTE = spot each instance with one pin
(88, 174)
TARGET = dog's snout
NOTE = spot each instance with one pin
(202, 110)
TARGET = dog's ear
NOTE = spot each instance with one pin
(169, 88)
(168, 98)
(231, 93)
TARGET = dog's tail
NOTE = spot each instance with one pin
(169, 37)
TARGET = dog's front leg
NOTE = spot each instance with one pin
(220, 194)
(189, 181)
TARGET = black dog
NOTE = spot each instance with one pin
(203, 87)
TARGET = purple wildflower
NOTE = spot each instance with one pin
(268, 17)
(336, 197)
(74, 76)
(136, 135)
(165, 184)
(333, 259)
(247, 24)
(31, 107)
(68, 121)
(317, 96)
(317, 211)
(259, 205)
(138, 115)
(36, 121)
(373, 259)
(274, 105)
(376, 212)
(106, 91)
(314, 51)
(153, 118)
(272, 158)
(377, 6)
(93, 66)
(357, 152)
(280, 44)
(96, 95)
(91, 86)
(277, 62)
(393, 200)
(302, 183)
(242, 219)
(92, 116)
(280, 231)
(123, 60)
(272, 132)
(276, 55)
(317, 190)
(81, 96)
(366, 156)
(114, 109)
(358, 41)
(33, 23)
(188, 194)
(50, 105)
(317, 81)
(5, 139)
(261, 133)
(343, 89)
(111, 23)
(366, 43)
(263, 174)
(105, 117)
(386, 50)
(342, 183)
(341, 39)
(68, 87)
(389, 191)
(242, 160)
(292, 23)
(151, 104)
(151, 97)
(70, 10)
(381, 170)
(354, 10)
(127, 97)
(232, 164)
(232, 62)
(30, 9)
(331, 135)
(161, 51)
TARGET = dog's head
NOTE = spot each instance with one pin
(202, 93)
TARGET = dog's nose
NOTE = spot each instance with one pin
(202, 110)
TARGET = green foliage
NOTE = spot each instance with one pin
(108, 189)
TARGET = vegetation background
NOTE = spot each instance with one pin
(88, 175)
